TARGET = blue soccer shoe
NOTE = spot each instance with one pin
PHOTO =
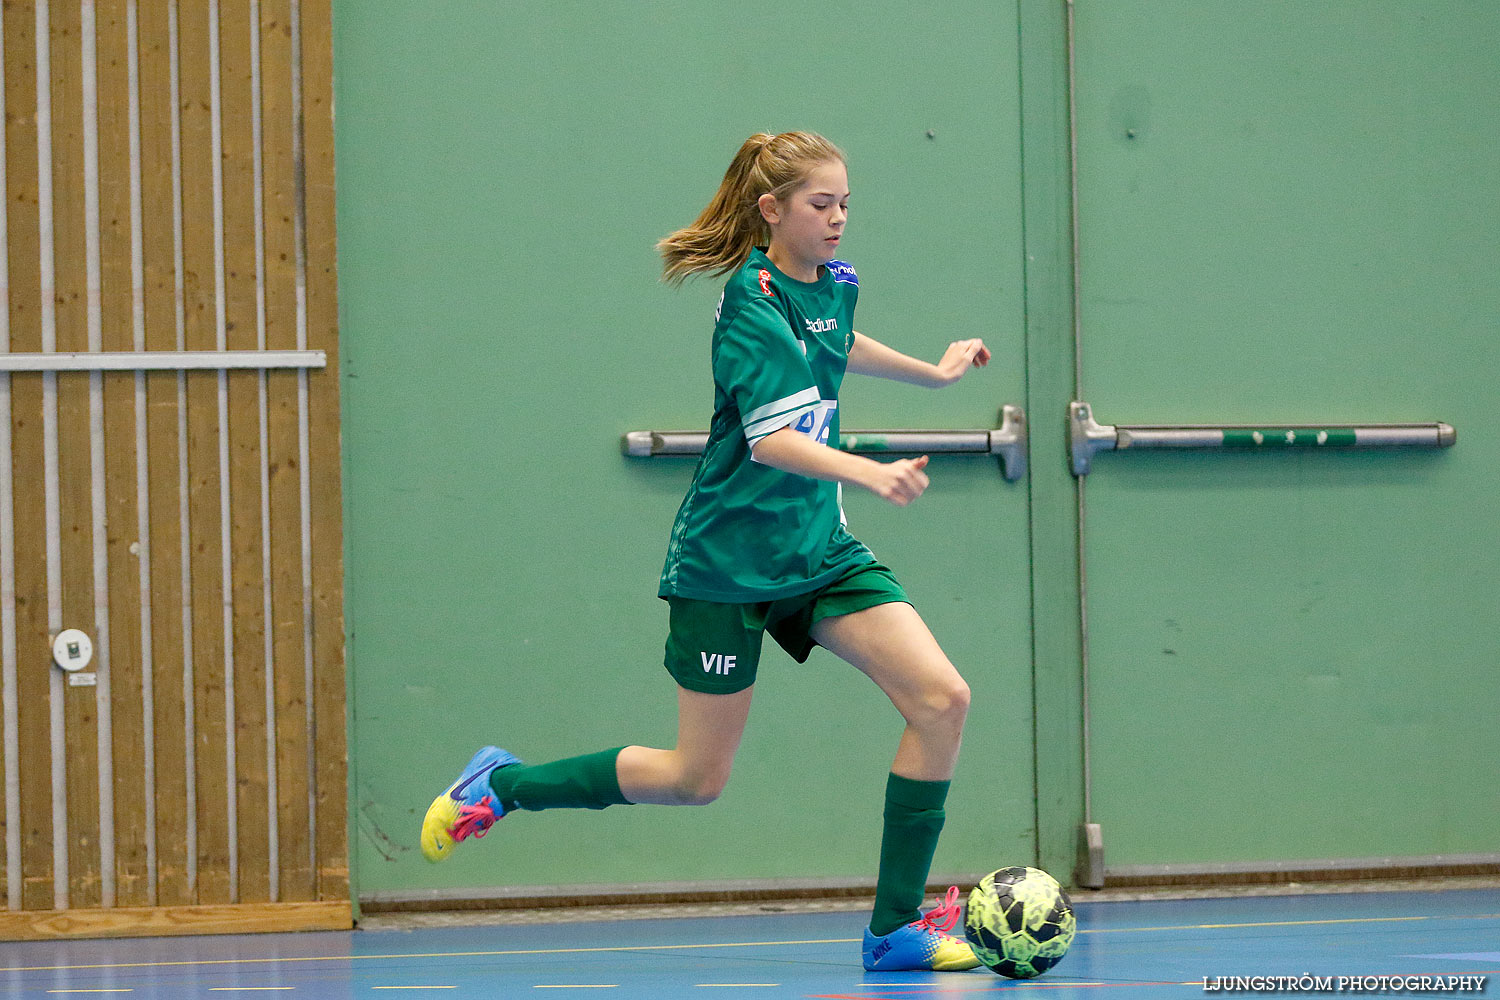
(468, 808)
(924, 945)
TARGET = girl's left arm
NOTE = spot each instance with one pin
(870, 357)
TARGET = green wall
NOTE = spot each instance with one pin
(500, 196)
(1298, 229)
(1292, 215)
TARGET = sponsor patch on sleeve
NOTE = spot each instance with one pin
(843, 272)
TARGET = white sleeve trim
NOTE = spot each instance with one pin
(783, 412)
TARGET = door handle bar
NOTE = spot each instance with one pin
(1007, 442)
(1088, 437)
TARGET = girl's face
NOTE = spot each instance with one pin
(807, 225)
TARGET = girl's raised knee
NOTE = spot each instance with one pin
(946, 703)
(959, 699)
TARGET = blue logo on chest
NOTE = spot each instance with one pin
(843, 272)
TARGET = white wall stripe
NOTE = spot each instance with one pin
(56, 691)
(103, 706)
(299, 213)
(130, 361)
(9, 694)
(189, 695)
(304, 442)
(142, 453)
(190, 762)
(273, 837)
(231, 768)
(49, 445)
(304, 503)
(137, 233)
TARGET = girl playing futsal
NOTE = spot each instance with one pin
(759, 545)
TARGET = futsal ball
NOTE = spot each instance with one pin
(1019, 922)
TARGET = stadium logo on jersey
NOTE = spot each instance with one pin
(843, 272)
(821, 325)
(765, 282)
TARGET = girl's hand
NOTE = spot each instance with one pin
(900, 482)
(960, 356)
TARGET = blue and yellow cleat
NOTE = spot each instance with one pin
(468, 807)
(922, 945)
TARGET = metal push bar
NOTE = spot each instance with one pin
(127, 361)
(1088, 437)
(1008, 442)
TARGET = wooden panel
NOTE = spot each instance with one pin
(75, 484)
(200, 283)
(279, 170)
(327, 520)
(25, 302)
(156, 921)
(34, 665)
(246, 532)
(121, 514)
(162, 451)
(310, 761)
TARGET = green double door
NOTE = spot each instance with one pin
(1285, 215)
(1289, 214)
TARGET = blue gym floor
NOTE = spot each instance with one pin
(1136, 950)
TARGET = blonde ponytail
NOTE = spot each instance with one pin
(722, 236)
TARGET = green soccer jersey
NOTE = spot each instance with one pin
(747, 532)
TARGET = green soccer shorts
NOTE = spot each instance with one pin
(714, 648)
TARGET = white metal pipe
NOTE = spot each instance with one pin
(189, 706)
(273, 837)
(123, 361)
(304, 444)
(103, 706)
(53, 518)
(221, 334)
(641, 444)
(142, 546)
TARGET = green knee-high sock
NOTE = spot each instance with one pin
(913, 819)
(587, 782)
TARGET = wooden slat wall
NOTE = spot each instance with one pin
(279, 168)
(228, 784)
(327, 524)
(205, 526)
(241, 268)
(163, 451)
(74, 474)
(117, 309)
(27, 456)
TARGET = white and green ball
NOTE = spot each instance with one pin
(1019, 922)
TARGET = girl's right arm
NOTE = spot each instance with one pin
(899, 482)
(868, 356)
